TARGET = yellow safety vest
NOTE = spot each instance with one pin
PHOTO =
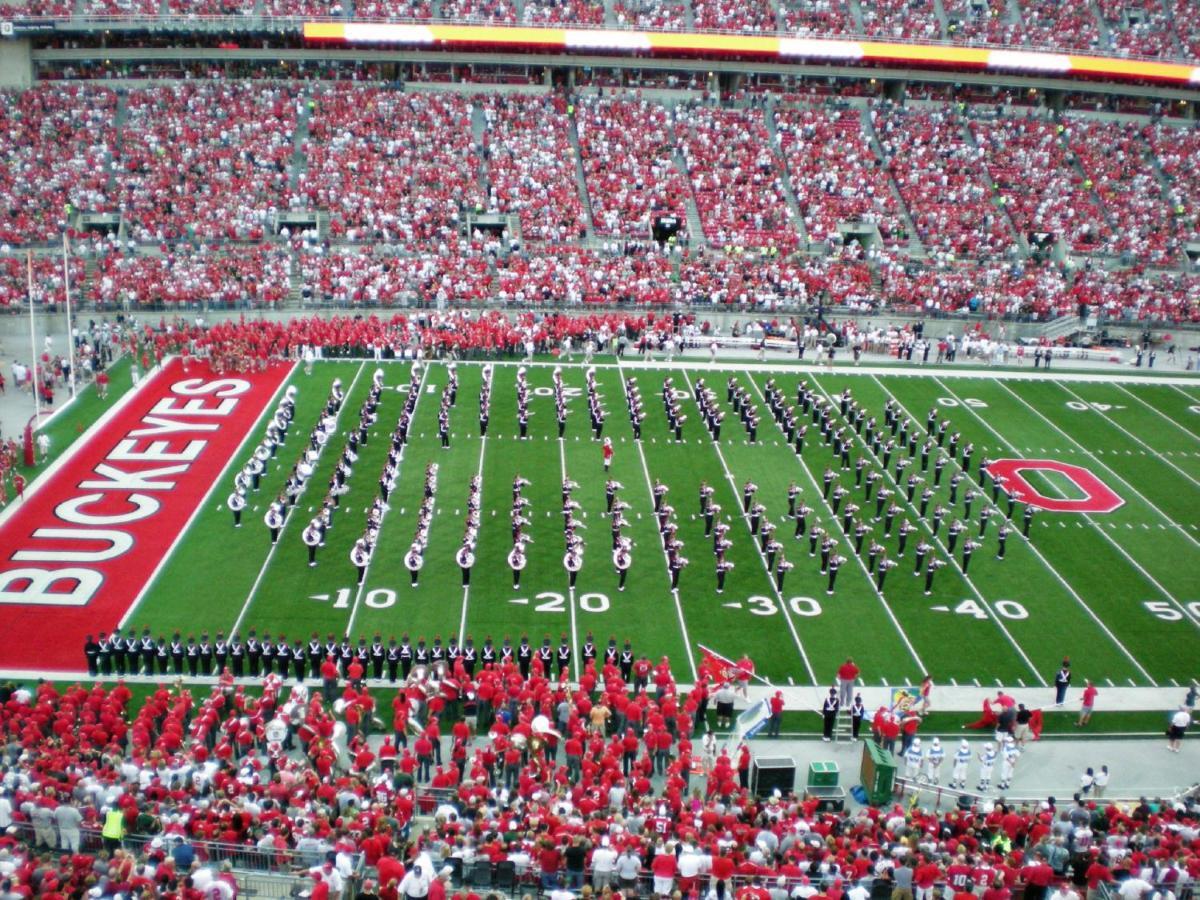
(114, 825)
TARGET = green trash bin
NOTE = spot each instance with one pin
(822, 774)
(878, 773)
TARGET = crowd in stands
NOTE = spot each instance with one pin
(200, 171)
(942, 182)
(1159, 29)
(834, 172)
(626, 147)
(627, 793)
(735, 179)
(389, 165)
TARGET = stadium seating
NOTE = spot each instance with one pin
(1064, 26)
(48, 283)
(834, 172)
(206, 160)
(626, 148)
(237, 278)
(362, 138)
(942, 182)
(910, 20)
(1030, 166)
(754, 16)
(734, 177)
(1113, 156)
(665, 15)
(531, 168)
(60, 138)
(561, 12)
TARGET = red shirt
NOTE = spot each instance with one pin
(663, 865)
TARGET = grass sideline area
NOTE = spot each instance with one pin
(1115, 592)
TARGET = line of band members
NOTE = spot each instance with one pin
(255, 656)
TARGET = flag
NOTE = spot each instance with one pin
(716, 667)
(987, 720)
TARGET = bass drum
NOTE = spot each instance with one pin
(616, 557)
(276, 730)
(465, 558)
(516, 562)
(413, 562)
(572, 563)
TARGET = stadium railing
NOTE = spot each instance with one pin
(281, 23)
(280, 863)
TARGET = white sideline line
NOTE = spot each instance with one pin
(291, 515)
(761, 558)
(1087, 452)
(203, 502)
(1182, 608)
(1130, 434)
(383, 515)
(700, 365)
(901, 495)
(1159, 413)
(829, 516)
(687, 641)
(1045, 562)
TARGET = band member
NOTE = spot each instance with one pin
(413, 561)
(516, 562)
(236, 503)
(723, 566)
(360, 556)
(312, 540)
(274, 519)
(573, 562)
(465, 559)
(622, 559)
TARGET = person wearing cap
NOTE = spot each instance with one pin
(962, 757)
(775, 704)
(1180, 720)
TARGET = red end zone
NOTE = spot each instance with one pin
(79, 550)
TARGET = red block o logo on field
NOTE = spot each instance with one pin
(1098, 496)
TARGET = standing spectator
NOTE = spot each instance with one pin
(68, 819)
(847, 673)
(1101, 782)
(663, 866)
(1062, 681)
(1179, 723)
(776, 707)
(1089, 701)
(629, 869)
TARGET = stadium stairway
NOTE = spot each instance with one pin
(1101, 24)
(785, 177)
(916, 249)
(856, 16)
(696, 237)
(939, 10)
(1022, 240)
(580, 181)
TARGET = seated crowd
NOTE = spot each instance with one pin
(614, 786)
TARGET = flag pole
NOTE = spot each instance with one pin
(70, 331)
(37, 397)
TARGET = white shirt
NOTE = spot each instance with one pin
(603, 859)
(1181, 719)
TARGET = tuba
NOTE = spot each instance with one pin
(516, 560)
(465, 558)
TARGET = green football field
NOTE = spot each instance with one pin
(1117, 592)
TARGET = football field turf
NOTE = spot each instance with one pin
(1115, 591)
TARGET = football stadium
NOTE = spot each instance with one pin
(655, 448)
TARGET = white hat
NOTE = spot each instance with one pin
(987, 746)
(936, 743)
(963, 743)
(916, 742)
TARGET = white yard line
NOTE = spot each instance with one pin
(462, 623)
(687, 641)
(1029, 543)
(399, 469)
(830, 516)
(901, 496)
(236, 457)
(1182, 607)
(1159, 413)
(1132, 436)
(1033, 409)
(562, 459)
(271, 553)
(761, 557)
